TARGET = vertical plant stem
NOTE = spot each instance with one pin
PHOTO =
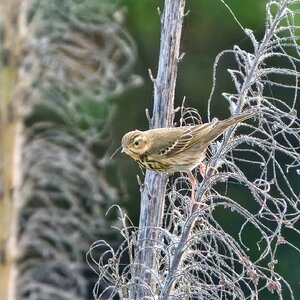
(10, 135)
(153, 189)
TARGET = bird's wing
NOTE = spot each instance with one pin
(171, 141)
(192, 136)
(177, 139)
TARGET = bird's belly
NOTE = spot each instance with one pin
(183, 167)
(170, 164)
(186, 164)
(154, 166)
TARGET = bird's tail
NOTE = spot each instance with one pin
(221, 126)
(224, 124)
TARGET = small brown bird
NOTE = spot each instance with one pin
(176, 149)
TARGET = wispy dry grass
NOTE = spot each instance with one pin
(198, 257)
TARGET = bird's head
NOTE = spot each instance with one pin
(134, 143)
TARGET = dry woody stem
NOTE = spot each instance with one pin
(153, 189)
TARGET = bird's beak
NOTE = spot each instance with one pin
(123, 150)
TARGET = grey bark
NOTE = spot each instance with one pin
(153, 189)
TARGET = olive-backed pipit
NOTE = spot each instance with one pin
(176, 149)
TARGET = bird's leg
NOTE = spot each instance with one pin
(193, 183)
(202, 168)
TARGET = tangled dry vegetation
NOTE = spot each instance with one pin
(196, 255)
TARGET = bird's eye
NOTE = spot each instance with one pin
(137, 142)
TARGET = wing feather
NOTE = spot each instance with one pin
(177, 139)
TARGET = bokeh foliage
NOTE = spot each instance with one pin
(76, 57)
